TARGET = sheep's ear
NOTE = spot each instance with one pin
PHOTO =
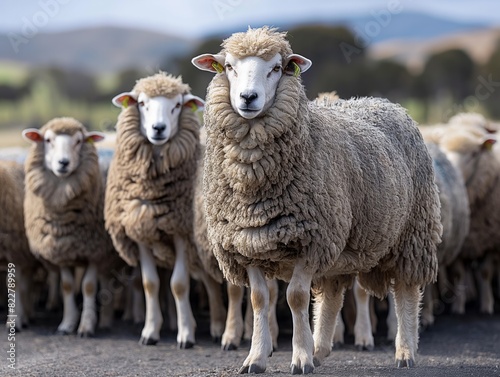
(193, 102)
(209, 62)
(296, 64)
(488, 144)
(94, 137)
(33, 135)
(125, 99)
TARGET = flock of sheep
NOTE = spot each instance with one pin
(322, 194)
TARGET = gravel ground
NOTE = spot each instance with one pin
(454, 346)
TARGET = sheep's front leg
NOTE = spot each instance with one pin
(151, 283)
(338, 333)
(106, 296)
(70, 311)
(262, 345)
(53, 291)
(363, 334)
(327, 305)
(485, 276)
(216, 305)
(407, 303)
(179, 284)
(234, 323)
(392, 319)
(272, 285)
(89, 315)
(298, 297)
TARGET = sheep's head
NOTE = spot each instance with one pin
(160, 99)
(62, 140)
(254, 63)
(466, 148)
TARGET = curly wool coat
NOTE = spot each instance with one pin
(64, 216)
(14, 246)
(348, 189)
(149, 194)
(455, 213)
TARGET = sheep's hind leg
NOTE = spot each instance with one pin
(234, 323)
(179, 284)
(327, 305)
(407, 303)
(70, 311)
(89, 315)
(151, 283)
(298, 297)
(363, 333)
(262, 345)
(216, 304)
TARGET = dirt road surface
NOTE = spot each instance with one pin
(454, 346)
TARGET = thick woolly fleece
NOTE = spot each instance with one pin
(348, 189)
(14, 246)
(455, 213)
(64, 216)
(483, 189)
(149, 193)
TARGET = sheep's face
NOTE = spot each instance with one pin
(252, 80)
(466, 152)
(159, 115)
(62, 151)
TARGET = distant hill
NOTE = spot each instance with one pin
(111, 49)
(97, 50)
(479, 44)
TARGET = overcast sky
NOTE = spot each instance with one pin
(194, 18)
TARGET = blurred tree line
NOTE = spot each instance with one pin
(450, 82)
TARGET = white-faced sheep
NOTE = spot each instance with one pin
(149, 198)
(64, 212)
(14, 249)
(478, 159)
(314, 195)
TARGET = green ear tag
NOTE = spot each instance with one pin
(217, 66)
(296, 69)
(125, 102)
(194, 107)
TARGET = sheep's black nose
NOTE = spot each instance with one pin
(248, 97)
(64, 162)
(159, 127)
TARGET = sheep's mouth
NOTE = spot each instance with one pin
(62, 172)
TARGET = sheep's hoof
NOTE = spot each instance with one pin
(361, 347)
(252, 368)
(316, 362)
(306, 370)
(229, 347)
(338, 345)
(185, 345)
(63, 332)
(85, 334)
(148, 341)
(408, 363)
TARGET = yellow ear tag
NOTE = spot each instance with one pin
(193, 107)
(125, 102)
(488, 144)
(296, 69)
(218, 67)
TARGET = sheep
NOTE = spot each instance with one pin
(149, 198)
(234, 329)
(63, 211)
(313, 195)
(14, 248)
(477, 157)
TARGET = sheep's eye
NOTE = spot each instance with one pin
(141, 103)
(47, 141)
(78, 141)
(277, 68)
(178, 105)
(229, 67)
